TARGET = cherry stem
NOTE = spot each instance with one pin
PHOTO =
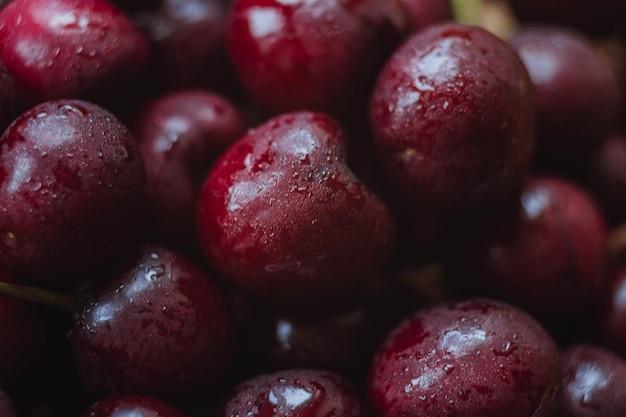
(467, 11)
(41, 296)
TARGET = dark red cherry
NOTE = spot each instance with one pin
(131, 406)
(282, 216)
(72, 185)
(453, 118)
(159, 328)
(8, 98)
(69, 48)
(293, 393)
(593, 383)
(188, 41)
(422, 13)
(308, 55)
(180, 135)
(545, 253)
(7, 409)
(577, 93)
(469, 359)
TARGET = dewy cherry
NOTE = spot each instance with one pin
(72, 185)
(9, 100)
(159, 328)
(69, 48)
(453, 118)
(131, 406)
(283, 217)
(473, 359)
(180, 136)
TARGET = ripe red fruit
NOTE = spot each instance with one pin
(72, 187)
(8, 98)
(159, 328)
(468, 359)
(293, 393)
(180, 136)
(69, 48)
(453, 118)
(308, 55)
(282, 216)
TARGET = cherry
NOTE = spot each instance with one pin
(453, 117)
(545, 253)
(475, 358)
(69, 48)
(422, 13)
(293, 393)
(159, 328)
(72, 185)
(577, 93)
(282, 216)
(612, 321)
(180, 135)
(7, 409)
(593, 383)
(308, 55)
(8, 98)
(131, 406)
(188, 41)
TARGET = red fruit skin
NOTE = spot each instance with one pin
(422, 13)
(545, 254)
(293, 393)
(131, 406)
(180, 135)
(160, 329)
(453, 118)
(282, 216)
(188, 40)
(593, 383)
(308, 55)
(577, 92)
(608, 176)
(69, 48)
(475, 358)
(72, 187)
(8, 98)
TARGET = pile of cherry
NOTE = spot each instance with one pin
(311, 208)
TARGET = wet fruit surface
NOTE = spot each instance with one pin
(474, 358)
(131, 406)
(72, 185)
(282, 216)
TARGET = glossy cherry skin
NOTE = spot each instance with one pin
(612, 321)
(545, 253)
(188, 41)
(593, 383)
(422, 13)
(281, 215)
(180, 135)
(293, 393)
(468, 359)
(69, 48)
(72, 185)
(308, 55)
(160, 328)
(453, 118)
(7, 409)
(131, 406)
(8, 98)
(577, 93)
